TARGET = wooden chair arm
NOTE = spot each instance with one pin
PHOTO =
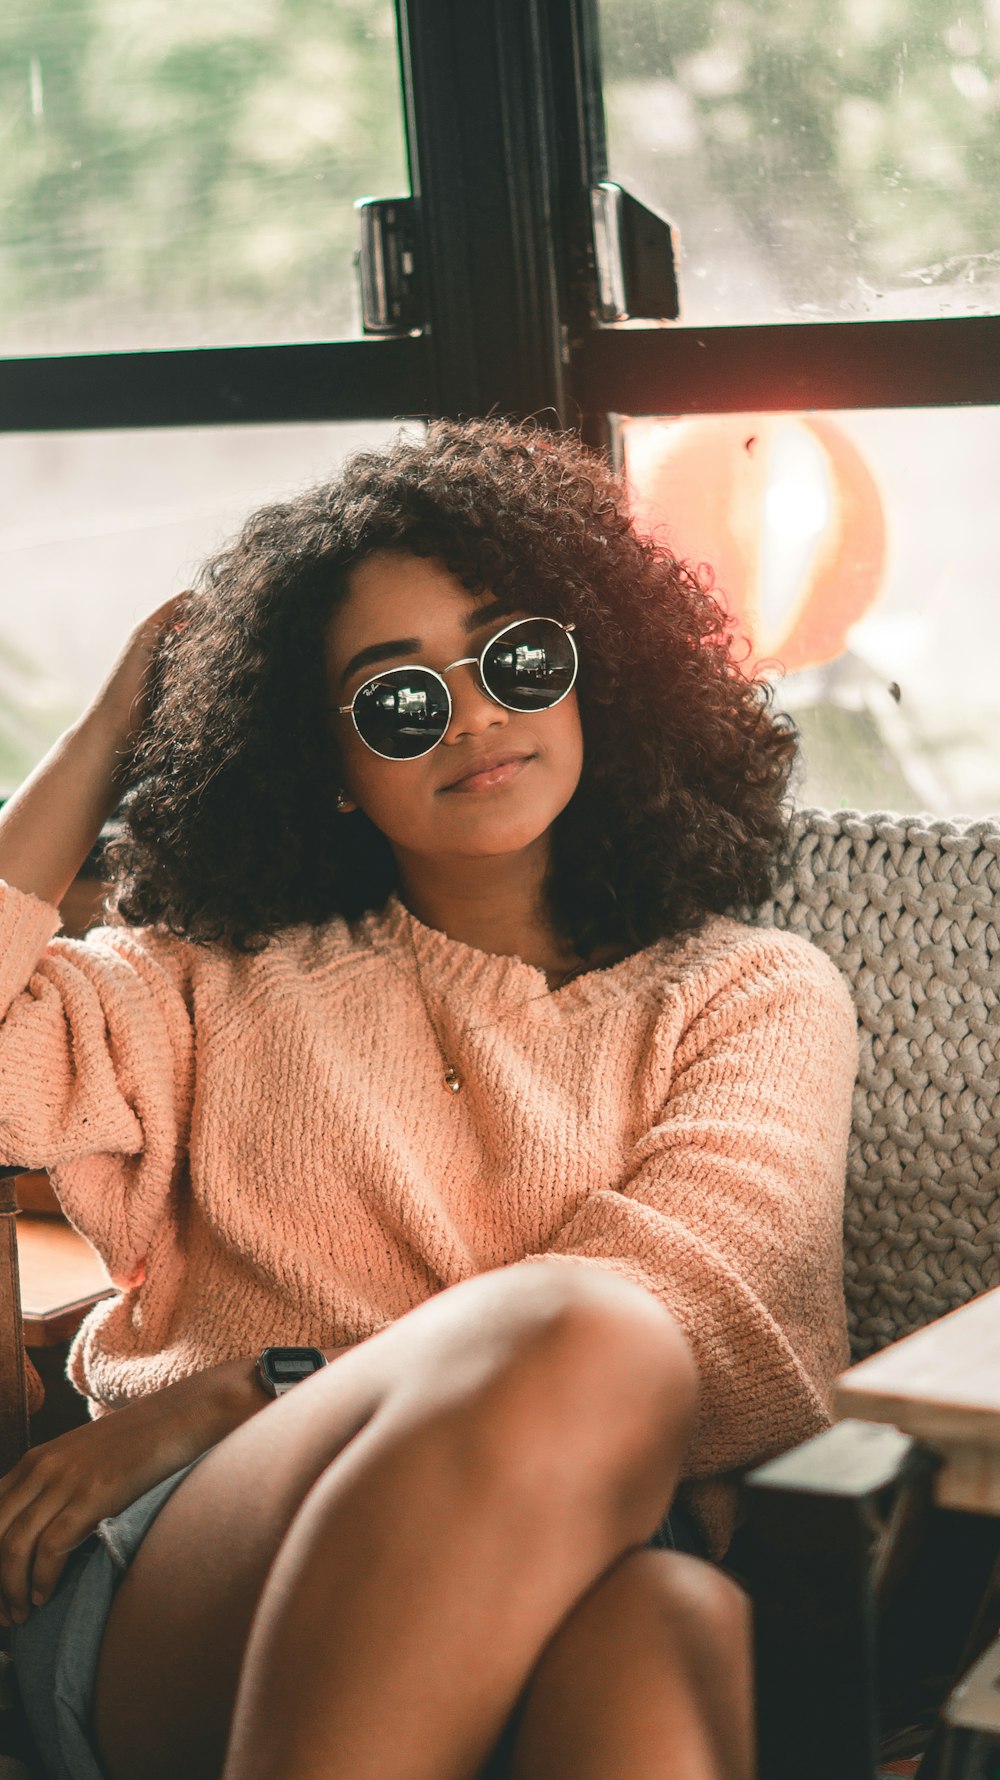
(816, 1519)
(62, 1278)
(49, 1279)
(13, 1381)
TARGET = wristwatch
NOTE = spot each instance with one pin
(278, 1368)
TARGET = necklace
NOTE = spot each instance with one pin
(452, 1079)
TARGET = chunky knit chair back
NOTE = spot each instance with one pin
(909, 909)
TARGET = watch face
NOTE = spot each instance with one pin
(285, 1366)
(288, 1368)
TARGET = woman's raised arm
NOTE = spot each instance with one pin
(50, 824)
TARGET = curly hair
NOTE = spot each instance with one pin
(228, 833)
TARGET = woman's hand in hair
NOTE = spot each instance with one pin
(121, 704)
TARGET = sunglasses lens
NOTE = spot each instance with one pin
(402, 713)
(531, 666)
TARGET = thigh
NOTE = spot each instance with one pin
(617, 1650)
(171, 1654)
(652, 1660)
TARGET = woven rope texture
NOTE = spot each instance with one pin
(907, 908)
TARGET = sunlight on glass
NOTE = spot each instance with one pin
(797, 514)
(857, 556)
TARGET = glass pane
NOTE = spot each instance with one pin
(176, 174)
(857, 553)
(823, 159)
(107, 526)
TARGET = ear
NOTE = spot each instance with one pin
(344, 804)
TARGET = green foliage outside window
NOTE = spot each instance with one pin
(184, 174)
(32, 713)
(851, 147)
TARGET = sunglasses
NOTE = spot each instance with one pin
(403, 712)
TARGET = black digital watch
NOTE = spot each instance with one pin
(279, 1368)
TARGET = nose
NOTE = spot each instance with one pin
(473, 711)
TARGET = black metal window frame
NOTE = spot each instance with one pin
(505, 133)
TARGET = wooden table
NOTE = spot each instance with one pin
(942, 1385)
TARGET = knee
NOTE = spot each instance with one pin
(699, 1596)
(573, 1374)
(610, 1358)
(704, 1611)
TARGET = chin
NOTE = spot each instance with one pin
(487, 837)
(480, 826)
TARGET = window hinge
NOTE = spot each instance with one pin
(387, 266)
(635, 257)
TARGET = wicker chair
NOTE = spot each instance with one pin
(909, 910)
(869, 1604)
(906, 908)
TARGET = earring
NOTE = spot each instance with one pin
(342, 800)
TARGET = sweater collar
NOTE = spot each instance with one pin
(449, 966)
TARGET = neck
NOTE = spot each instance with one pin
(495, 904)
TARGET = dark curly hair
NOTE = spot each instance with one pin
(228, 832)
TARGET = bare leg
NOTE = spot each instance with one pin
(648, 1676)
(359, 1580)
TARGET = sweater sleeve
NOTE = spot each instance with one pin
(96, 1062)
(731, 1207)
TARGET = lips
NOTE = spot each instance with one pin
(488, 764)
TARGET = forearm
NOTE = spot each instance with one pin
(50, 824)
(188, 1417)
(96, 1470)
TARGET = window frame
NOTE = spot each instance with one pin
(504, 119)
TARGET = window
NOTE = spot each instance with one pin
(176, 174)
(823, 161)
(857, 553)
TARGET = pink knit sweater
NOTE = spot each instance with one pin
(262, 1148)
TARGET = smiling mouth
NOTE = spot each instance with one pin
(492, 777)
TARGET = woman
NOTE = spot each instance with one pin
(422, 1038)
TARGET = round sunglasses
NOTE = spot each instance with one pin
(403, 712)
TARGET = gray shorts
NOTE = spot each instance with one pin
(56, 1650)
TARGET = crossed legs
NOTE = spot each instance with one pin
(648, 1678)
(427, 1543)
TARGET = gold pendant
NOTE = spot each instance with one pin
(451, 1080)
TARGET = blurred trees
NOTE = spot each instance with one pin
(848, 148)
(32, 712)
(181, 174)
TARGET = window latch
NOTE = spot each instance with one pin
(387, 266)
(635, 258)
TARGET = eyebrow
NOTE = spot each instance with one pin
(376, 652)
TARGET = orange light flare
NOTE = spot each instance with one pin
(784, 508)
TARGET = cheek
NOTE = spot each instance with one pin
(573, 714)
(394, 794)
(565, 750)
